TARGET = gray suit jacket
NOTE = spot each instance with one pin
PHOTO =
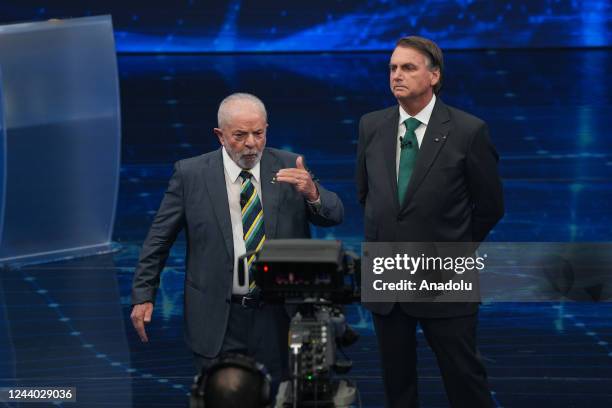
(455, 192)
(196, 200)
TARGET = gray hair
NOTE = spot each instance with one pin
(224, 107)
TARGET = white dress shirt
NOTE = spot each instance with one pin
(423, 116)
(233, 184)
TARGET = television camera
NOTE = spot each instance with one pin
(312, 278)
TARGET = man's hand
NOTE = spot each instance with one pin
(141, 315)
(300, 178)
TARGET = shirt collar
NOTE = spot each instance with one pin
(423, 116)
(233, 170)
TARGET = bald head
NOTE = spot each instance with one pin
(232, 387)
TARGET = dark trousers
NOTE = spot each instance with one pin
(453, 340)
(259, 333)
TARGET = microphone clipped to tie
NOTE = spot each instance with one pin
(405, 143)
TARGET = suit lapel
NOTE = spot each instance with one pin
(388, 134)
(433, 140)
(270, 192)
(215, 182)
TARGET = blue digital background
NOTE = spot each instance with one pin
(549, 112)
(335, 25)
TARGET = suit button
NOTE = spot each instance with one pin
(400, 218)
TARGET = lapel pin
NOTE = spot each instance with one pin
(274, 177)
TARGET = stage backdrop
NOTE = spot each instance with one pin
(324, 25)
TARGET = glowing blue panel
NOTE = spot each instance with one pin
(323, 25)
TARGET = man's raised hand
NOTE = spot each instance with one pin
(300, 178)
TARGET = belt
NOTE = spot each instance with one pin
(248, 302)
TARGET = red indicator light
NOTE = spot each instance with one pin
(266, 268)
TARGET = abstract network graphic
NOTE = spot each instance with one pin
(340, 25)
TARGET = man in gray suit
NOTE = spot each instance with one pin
(230, 201)
(427, 172)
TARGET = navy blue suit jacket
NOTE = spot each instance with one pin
(455, 192)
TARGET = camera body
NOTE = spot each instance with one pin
(312, 278)
(300, 271)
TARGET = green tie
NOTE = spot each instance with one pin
(408, 155)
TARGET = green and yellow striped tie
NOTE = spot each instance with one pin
(252, 220)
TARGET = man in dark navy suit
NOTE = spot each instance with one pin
(427, 172)
(230, 201)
